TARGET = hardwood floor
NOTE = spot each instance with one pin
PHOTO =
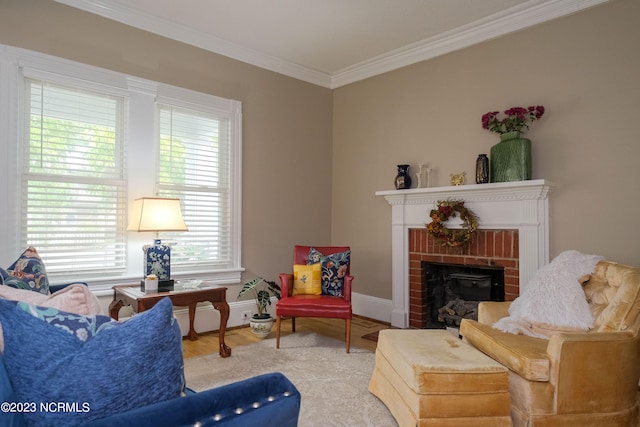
(208, 342)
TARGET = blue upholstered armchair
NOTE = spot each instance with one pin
(265, 400)
(122, 374)
(107, 373)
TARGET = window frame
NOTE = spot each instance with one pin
(141, 132)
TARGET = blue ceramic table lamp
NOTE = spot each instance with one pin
(157, 214)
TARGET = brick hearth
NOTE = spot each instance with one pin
(490, 247)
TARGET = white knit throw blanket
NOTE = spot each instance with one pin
(553, 298)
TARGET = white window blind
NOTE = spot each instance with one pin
(195, 165)
(73, 180)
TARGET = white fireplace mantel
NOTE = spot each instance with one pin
(521, 205)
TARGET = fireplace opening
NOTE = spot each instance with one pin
(452, 291)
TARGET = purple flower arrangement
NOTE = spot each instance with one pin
(515, 119)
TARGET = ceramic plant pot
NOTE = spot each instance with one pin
(261, 327)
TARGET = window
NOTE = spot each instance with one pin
(73, 187)
(194, 167)
(82, 143)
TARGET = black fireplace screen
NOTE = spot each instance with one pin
(453, 291)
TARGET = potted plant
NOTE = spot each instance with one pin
(262, 290)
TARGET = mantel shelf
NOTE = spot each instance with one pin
(536, 186)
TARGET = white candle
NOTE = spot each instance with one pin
(151, 283)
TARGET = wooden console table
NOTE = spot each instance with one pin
(190, 297)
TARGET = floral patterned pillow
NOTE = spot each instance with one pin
(82, 327)
(27, 272)
(334, 268)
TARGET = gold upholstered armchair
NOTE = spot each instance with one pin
(573, 379)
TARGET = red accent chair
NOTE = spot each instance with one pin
(326, 306)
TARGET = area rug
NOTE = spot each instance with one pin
(332, 382)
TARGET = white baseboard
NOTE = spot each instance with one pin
(208, 318)
(372, 307)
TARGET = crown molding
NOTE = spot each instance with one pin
(513, 19)
(510, 20)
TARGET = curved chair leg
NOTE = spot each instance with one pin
(348, 334)
(278, 331)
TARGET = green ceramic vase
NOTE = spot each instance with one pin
(511, 158)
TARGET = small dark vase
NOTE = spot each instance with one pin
(403, 180)
(482, 169)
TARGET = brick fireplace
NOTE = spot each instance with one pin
(513, 222)
(489, 248)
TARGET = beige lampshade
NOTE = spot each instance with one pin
(156, 214)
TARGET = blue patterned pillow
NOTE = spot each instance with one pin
(3, 274)
(82, 327)
(334, 268)
(28, 272)
(14, 282)
(133, 364)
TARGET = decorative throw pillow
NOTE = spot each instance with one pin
(136, 363)
(306, 279)
(74, 298)
(334, 268)
(14, 282)
(82, 327)
(28, 272)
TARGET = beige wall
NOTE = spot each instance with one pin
(286, 122)
(585, 69)
(298, 188)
